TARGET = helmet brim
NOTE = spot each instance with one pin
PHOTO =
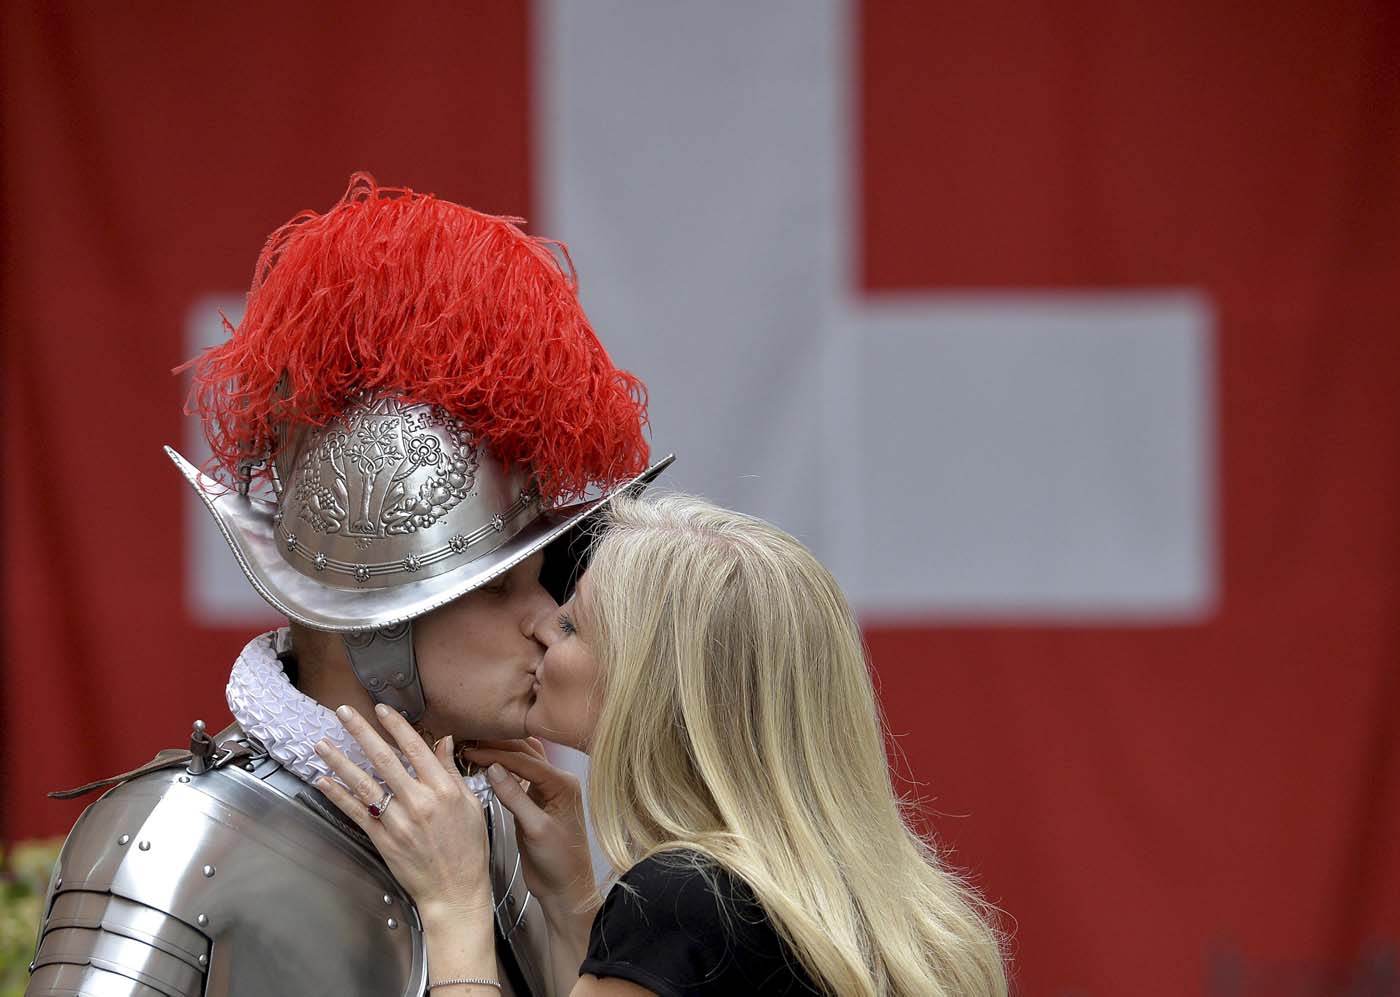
(247, 525)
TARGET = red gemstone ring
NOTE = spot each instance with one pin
(376, 810)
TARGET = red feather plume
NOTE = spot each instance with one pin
(397, 293)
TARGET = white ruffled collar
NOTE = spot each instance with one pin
(288, 722)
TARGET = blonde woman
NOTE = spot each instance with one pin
(712, 670)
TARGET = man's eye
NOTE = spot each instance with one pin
(566, 624)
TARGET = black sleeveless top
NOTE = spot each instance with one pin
(688, 927)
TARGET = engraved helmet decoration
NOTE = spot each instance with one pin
(413, 403)
(390, 491)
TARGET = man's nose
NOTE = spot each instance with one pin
(537, 621)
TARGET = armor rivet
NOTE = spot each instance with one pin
(498, 523)
(33, 966)
(145, 846)
(376, 685)
(184, 778)
(510, 901)
(58, 882)
(209, 871)
(204, 960)
(123, 839)
(393, 923)
(388, 900)
(202, 920)
(399, 678)
(249, 766)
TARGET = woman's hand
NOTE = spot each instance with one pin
(554, 857)
(432, 834)
(549, 821)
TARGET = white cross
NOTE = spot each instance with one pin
(1017, 455)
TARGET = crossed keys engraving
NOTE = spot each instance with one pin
(371, 461)
(375, 446)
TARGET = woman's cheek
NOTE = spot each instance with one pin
(563, 680)
(554, 676)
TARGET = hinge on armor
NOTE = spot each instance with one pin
(200, 757)
(96, 943)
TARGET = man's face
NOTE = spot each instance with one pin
(477, 656)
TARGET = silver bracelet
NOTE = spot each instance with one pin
(453, 983)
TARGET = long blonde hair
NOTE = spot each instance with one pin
(739, 720)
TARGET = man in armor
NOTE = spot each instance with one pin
(410, 427)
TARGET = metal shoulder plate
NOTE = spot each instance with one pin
(241, 881)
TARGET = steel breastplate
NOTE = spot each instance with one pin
(243, 881)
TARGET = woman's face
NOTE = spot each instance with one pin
(568, 688)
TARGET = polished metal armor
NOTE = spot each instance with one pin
(218, 872)
(390, 512)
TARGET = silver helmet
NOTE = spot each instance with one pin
(390, 511)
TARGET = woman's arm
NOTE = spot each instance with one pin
(549, 829)
(461, 946)
(568, 941)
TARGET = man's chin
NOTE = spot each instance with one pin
(489, 729)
